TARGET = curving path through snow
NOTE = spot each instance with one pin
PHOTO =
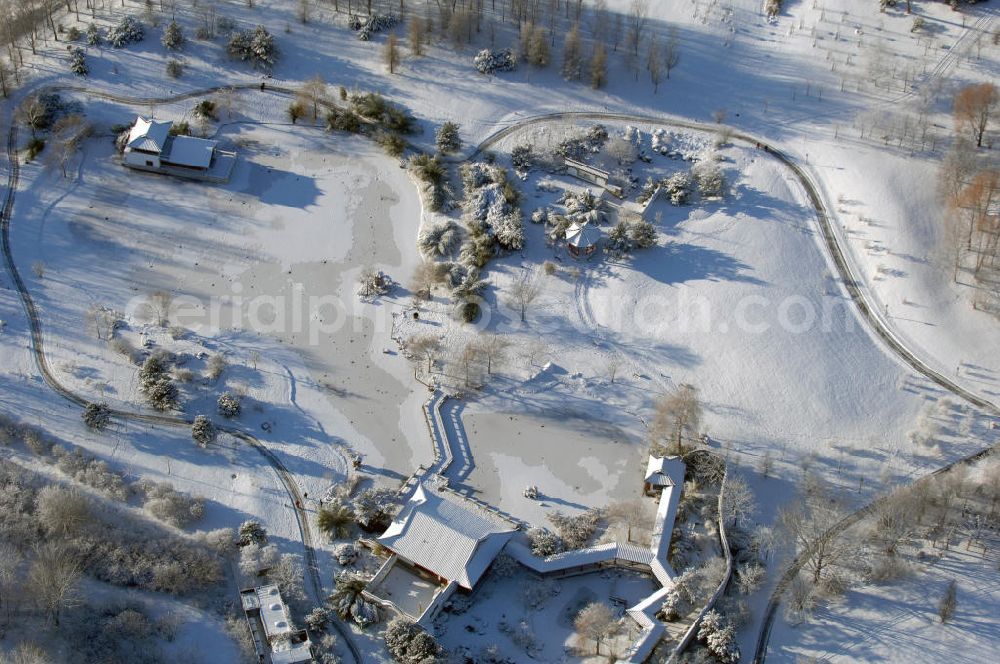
(38, 350)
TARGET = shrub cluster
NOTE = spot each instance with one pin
(488, 61)
(127, 31)
(369, 25)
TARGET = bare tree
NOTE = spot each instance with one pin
(765, 464)
(10, 563)
(468, 361)
(948, 602)
(426, 347)
(417, 31)
(617, 28)
(54, 579)
(160, 303)
(63, 510)
(494, 349)
(612, 366)
(738, 502)
(974, 106)
(391, 53)
(629, 513)
(314, 92)
(894, 520)
(653, 63)
(67, 135)
(809, 522)
(638, 16)
(671, 51)
(525, 290)
(676, 415)
(596, 622)
(33, 113)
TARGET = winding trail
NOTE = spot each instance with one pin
(38, 351)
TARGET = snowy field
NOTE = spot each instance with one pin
(738, 297)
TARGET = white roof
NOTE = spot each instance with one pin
(148, 135)
(446, 535)
(579, 165)
(582, 235)
(190, 151)
(665, 471)
(272, 612)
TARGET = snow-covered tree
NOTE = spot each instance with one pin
(537, 43)
(641, 233)
(127, 31)
(576, 531)
(490, 62)
(96, 415)
(93, 35)
(369, 25)
(522, 157)
(230, 405)
(719, 636)
(709, 177)
(447, 138)
(255, 559)
(373, 283)
(54, 579)
(372, 507)
(678, 187)
(348, 602)
(256, 46)
(596, 622)
(252, 532)
(334, 520)
(78, 62)
(173, 37)
(162, 394)
(345, 554)
(677, 416)
(525, 290)
(202, 431)
(317, 619)
(438, 238)
(544, 542)
(409, 643)
(749, 577)
(63, 510)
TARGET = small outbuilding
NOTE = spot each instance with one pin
(152, 147)
(582, 239)
(663, 472)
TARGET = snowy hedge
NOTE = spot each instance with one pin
(492, 205)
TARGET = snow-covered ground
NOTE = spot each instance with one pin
(899, 622)
(723, 302)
